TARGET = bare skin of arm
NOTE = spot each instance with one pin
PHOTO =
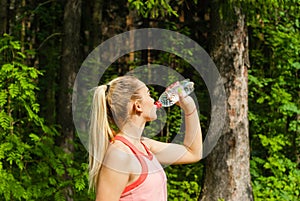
(107, 188)
(191, 149)
(119, 169)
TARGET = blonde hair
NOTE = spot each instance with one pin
(109, 112)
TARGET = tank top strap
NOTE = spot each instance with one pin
(149, 155)
(142, 161)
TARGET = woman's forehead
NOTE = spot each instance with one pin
(143, 88)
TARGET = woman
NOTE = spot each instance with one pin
(124, 165)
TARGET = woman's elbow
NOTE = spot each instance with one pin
(196, 157)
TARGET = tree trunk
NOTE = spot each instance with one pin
(3, 17)
(227, 168)
(69, 65)
(97, 19)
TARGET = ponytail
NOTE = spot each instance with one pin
(108, 103)
(99, 134)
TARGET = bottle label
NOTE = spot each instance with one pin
(172, 92)
(173, 86)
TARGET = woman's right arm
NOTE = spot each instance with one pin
(111, 184)
(114, 175)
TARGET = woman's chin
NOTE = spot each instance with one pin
(152, 117)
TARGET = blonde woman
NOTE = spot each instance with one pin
(124, 165)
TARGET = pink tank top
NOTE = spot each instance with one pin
(152, 182)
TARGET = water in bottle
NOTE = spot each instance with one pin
(171, 94)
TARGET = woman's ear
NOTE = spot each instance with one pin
(137, 106)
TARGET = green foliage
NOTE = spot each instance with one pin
(276, 177)
(274, 99)
(184, 181)
(152, 8)
(32, 166)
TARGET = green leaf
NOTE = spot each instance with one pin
(22, 55)
(5, 120)
(7, 68)
(14, 90)
(3, 97)
(4, 148)
(34, 137)
(296, 65)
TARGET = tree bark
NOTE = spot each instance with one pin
(3, 17)
(227, 167)
(69, 65)
(97, 21)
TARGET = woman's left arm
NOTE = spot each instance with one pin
(191, 149)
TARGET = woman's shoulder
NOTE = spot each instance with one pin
(118, 151)
(119, 157)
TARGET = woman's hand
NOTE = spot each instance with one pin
(186, 103)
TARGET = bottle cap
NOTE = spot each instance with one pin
(158, 104)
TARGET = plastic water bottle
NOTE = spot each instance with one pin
(171, 95)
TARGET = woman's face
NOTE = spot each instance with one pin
(147, 104)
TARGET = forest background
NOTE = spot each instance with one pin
(43, 44)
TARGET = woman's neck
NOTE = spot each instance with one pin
(132, 130)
